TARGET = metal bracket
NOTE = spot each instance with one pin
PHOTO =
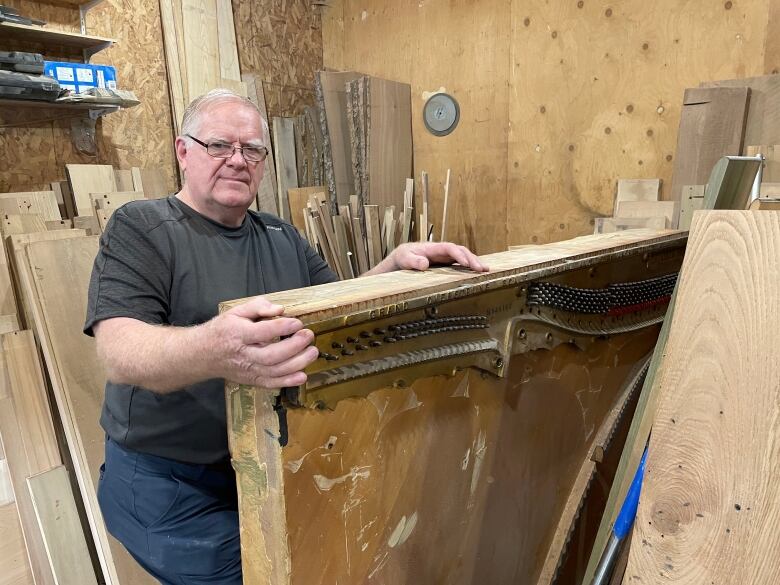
(83, 9)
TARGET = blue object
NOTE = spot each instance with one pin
(80, 76)
(627, 514)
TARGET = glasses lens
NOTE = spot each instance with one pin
(255, 153)
(220, 150)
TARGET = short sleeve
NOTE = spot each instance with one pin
(131, 276)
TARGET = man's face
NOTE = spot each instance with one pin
(223, 185)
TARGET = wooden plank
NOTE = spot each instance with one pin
(360, 244)
(60, 526)
(124, 179)
(86, 179)
(765, 205)
(390, 142)
(15, 245)
(22, 223)
(226, 34)
(201, 45)
(6, 489)
(13, 427)
(666, 209)
(332, 94)
(266, 192)
(8, 304)
(77, 379)
(64, 196)
(763, 118)
(150, 182)
(43, 203)
(298, 199)
(88, 223)
(637, 190)
(712, 125)
(63, 224)
(442, 236)
(284, 157)
(173, 62)
(373, 235)
(424, 215)
(14, 566)
(709, 506)
(115, 200)
(692, 200)
(769, 190)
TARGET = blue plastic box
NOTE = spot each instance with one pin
(80, 76)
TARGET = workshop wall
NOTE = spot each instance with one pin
(558, 98)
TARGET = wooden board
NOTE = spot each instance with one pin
(20, 413)
(771, 173)
(712, 125)
(284, 158)
(14, 566)
(174, 59)
(151, 182)
(666, 209)
(63, 224)
(124, 179)
(8, 304)
(15, 245)
(64, 197)
(332, 95)
(88, 223)
(763, 118)
(298, 199)
(22, 223)
(709, 505)
(78, 380)
(201, 45)
(86, 179)
(43, 203)
(692, 200)
(6, 489)
(637, 190)
(765, 205)
(59, 524)
(266, 192)
(390, 143)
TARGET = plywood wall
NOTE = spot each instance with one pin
(280, 41)
(36, 144)
(559, 98)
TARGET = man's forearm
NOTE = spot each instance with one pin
(160, 358)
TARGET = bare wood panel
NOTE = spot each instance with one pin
(21, 223)
(266, 192)
(335, 132)
(58, 521)
(712, 125)
(709, 505)
(77, 377)
(284, 158)
(63, 224)
(151, 182)
(8, 304)
(201, 44)
(390, 140)
(43, 203)
(14, 567)
(124, 179)
(86, 179)
(666, 209)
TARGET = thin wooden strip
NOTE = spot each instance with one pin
(360, 245)
(266, 192)
(284, 154)
(173, 66)
(60, 527)
(226, 33)
(373, 234)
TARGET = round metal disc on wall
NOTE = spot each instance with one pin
(441, 114)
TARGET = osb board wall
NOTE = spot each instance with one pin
(558, 98)
(35, 144)
(280, 41)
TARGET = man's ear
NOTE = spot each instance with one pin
(181, 152)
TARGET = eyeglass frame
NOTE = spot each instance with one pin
(232, 152)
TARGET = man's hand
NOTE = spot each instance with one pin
(241, 345)
(420, 255)
(250, 350)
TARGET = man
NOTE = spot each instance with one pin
(167, 490)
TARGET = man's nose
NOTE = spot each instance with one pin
(237, 158)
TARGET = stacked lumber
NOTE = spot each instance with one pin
(367, 135)
(637, 205)
(355, 239)
(709, 505)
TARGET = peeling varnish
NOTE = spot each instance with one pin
(402, 530)
(295, 465)
(462, 391)
(382, 560)
(465, 463)
(479, 456)
(324, 484)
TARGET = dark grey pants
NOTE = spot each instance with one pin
(179, 521)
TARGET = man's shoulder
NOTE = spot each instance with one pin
(272, 222)
(149, 214)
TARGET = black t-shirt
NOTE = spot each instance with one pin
(161, 262)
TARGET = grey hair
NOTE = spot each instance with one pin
(190, 123)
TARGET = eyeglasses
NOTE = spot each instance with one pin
(220, 149)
